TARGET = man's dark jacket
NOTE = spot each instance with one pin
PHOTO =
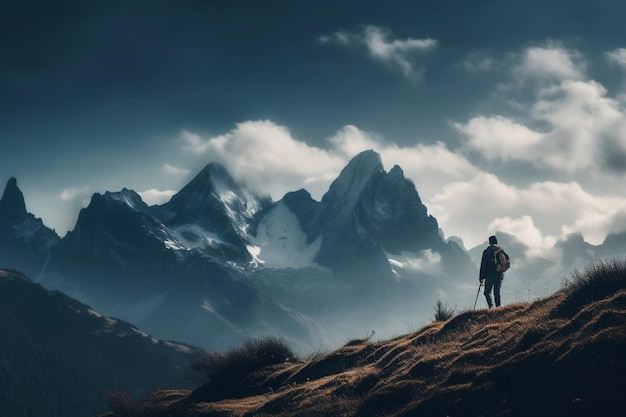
(487, 264)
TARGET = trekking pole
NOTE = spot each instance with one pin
(478, 293)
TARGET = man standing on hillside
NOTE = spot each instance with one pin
(488, 273)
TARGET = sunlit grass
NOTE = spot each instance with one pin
(548, 350)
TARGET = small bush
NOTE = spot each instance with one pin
(600, 279)
(236, 363)
(443, 312)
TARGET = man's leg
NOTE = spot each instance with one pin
(489, 281)
(496, 290)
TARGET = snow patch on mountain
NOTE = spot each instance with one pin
(227, 195)
(173, 245)
(240, 203)
(193, 236)
(280, 242)
(31, 229)
(425, 262)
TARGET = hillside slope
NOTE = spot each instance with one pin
(560, 356)
(58, 356)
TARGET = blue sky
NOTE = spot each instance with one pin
(508, 116)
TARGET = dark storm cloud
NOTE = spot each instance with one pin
(149, 57)
(175, 63)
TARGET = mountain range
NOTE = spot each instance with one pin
(219, 263)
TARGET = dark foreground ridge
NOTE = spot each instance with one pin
(58, 356)
(558, 356)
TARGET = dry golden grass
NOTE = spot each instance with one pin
(523, 359)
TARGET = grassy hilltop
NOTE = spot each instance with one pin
(564, 355)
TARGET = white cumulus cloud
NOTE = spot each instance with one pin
(571, 123)
(381, 46)
(72, 193)
(550, 62)
(172, 170)
(500, 138)
(617, 56)
(154, 196)
(538, 214)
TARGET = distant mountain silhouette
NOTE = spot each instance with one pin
(562, 355)
(58, 356)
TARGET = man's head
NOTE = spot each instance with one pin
(493, 240)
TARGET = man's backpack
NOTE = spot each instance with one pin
(501, 259)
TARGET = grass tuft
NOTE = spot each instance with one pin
(443, 312)
(599, 280)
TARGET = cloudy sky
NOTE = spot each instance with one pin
(508, 116)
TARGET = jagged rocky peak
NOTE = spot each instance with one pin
(215, 201)
(101, 206)
(306, 210)
(301, 202)
(114, 234)
(24, 240)
(383, 201)
(215, 174)
(206, 182)
(213, 187)
(213, 181)
(367, 211)
(127, 197)
(114, 215)
(396, 174)
(354, 178)
(25, 225)
(12, 204)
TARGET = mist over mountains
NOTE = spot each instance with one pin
(218, 263)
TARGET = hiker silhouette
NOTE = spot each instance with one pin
(489, 273)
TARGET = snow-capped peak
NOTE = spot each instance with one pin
(214, 201)
(241, 204)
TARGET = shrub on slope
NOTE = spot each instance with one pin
(224, 374)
